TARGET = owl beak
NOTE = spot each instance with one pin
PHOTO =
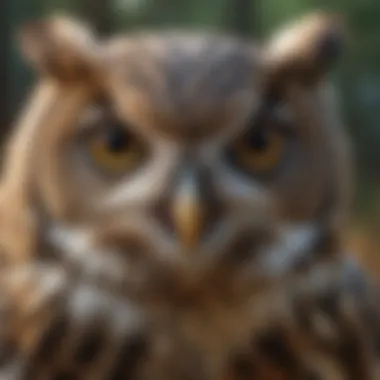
(187, 211)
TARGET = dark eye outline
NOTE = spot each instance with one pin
(265, 121)
(108, 122)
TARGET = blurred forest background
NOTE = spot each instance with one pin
(358, 75)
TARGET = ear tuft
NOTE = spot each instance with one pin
(330, 47)
(59, 46)
(307, 49)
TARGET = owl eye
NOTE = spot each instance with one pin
(259, 150)
(114, 150)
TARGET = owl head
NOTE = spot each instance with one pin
(178, 153)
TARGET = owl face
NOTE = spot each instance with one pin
(192, 152)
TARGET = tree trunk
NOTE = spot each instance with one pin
(99, 14)
(4, 66)
(18, 74)
(242, 17)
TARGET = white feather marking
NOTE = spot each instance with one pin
(294, 242)
(77, 246)
(89, 302)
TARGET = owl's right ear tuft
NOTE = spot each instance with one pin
(59, 46)
(306, 50)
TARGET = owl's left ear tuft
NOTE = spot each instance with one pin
(306, 50)
(59, 46)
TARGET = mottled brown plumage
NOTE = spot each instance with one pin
(172, 207)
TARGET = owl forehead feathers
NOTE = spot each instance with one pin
(187, 84)
(184, 63)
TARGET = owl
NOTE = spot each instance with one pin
(172, 206)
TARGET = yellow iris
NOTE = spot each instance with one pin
(263, 156)
(115, 154)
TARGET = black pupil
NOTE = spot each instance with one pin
(258, 139)
(117, 140)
